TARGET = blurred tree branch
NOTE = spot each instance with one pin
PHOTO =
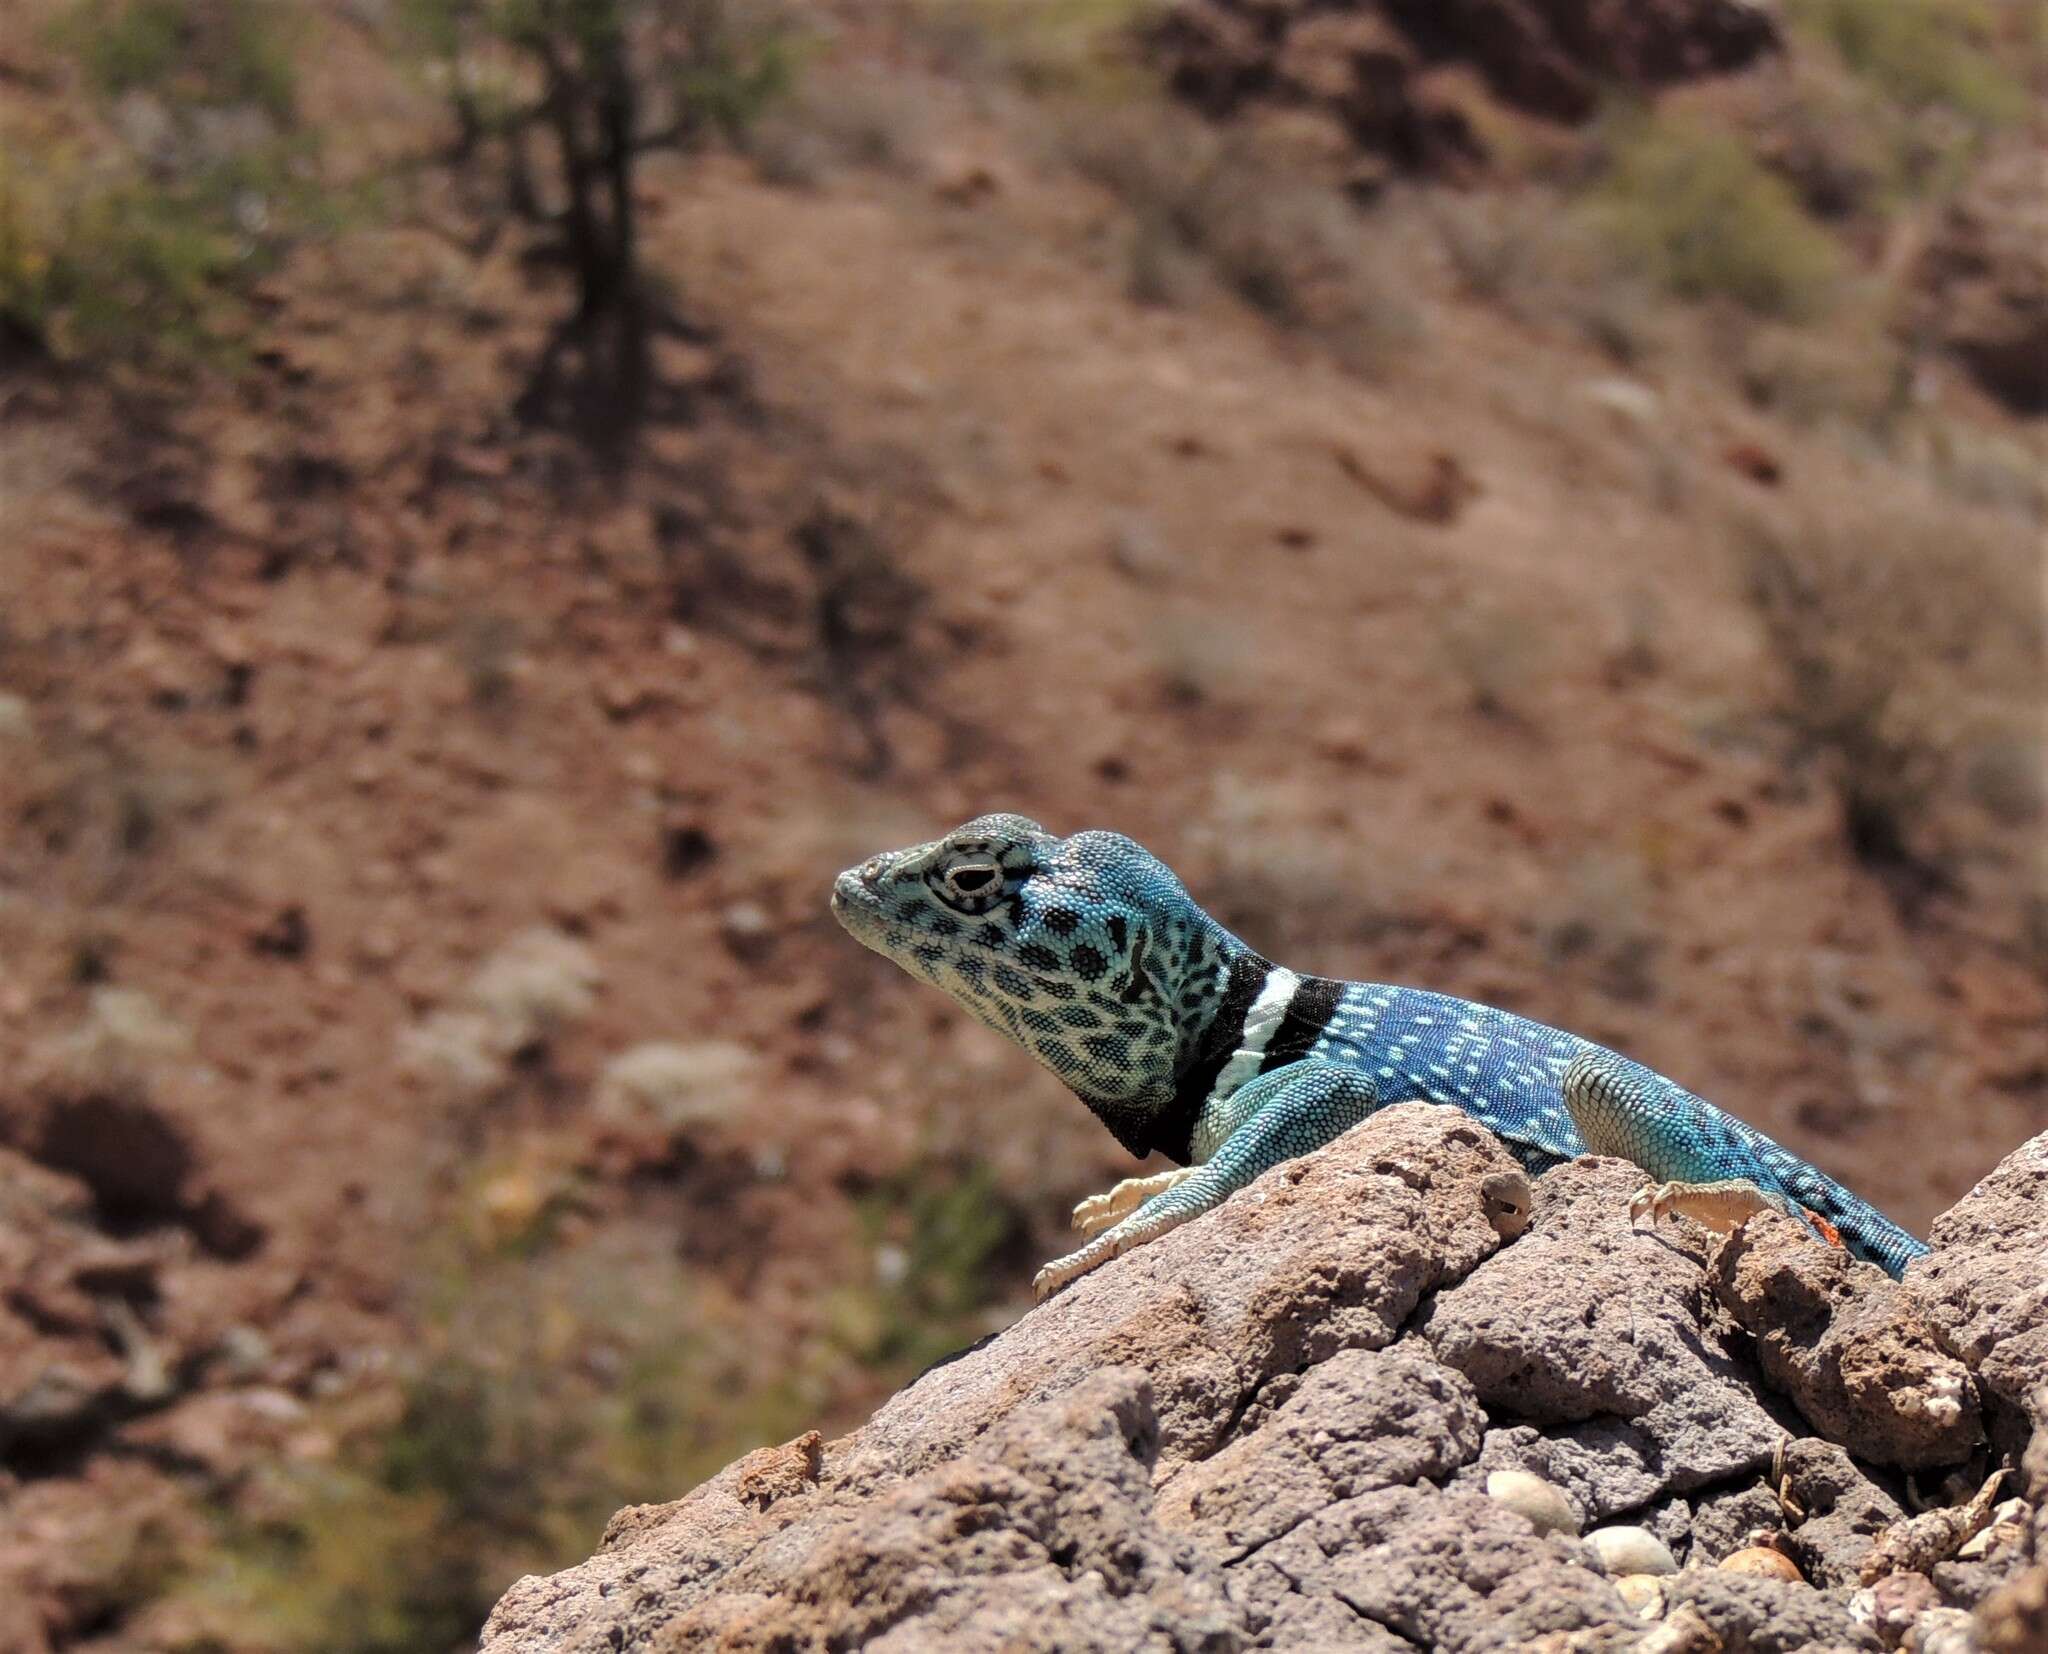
(566, 97)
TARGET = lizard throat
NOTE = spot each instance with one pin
(1171, 1130)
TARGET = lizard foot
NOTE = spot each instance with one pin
(1100, 1212)
(1720, 1206)
(1125, 1237)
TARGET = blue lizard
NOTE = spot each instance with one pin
(1088, 952)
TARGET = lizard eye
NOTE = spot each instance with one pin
(972, 885)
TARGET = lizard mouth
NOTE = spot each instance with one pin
(855, 901)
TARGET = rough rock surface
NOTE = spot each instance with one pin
(1272, 1428)
(1984, 1290)
(1388, 70)
(1842, 1340)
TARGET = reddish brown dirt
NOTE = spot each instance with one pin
(336, 682)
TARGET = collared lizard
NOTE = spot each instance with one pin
(1089, 953)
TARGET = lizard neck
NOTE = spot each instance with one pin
(1254, 1017)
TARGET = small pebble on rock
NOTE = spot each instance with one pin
(1761, 1560)
(1631, 1551)
(1537, 1501)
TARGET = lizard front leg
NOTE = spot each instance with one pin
(1283, 1114)
(1098, 1212)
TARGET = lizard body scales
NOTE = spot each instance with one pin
(1088, 952)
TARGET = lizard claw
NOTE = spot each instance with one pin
(1104, 1211)
(1720, 1206)
(1126, 1237)
(1065, 1271)
(1652, 1200)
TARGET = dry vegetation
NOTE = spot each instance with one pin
(578, 1117)
(1910, 642)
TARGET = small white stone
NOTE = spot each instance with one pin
(1631, 1551)
(1630, 398)
(1542, 1505)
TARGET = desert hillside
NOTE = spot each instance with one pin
(1542, 501)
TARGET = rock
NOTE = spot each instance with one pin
(1388, 69)
(2008, 1527)
(1330, 1256)
(1982, 279)
(1038, 1538)
(1685, 1632)
(1941, 1631)
(17, 720)
(1589, 1334)
(1840, 1338)
(1755, 1615)
(1510, 1204)
(1443, 1571)
(2015, 1620)
(1535, 1500)
(1892, 1605)
(1984, 1295)
(747, 931)
(1359, 1422)
(1843, 1511)
(1642, 1592)
(1719, 1523)
(74, 1550)
(1630, 400)
(1272, 1428)
(774, 1473)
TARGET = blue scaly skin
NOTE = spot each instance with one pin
(1088, 953)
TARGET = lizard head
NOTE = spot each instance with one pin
(1084, 950)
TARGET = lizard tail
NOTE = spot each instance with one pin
(1625, 1109)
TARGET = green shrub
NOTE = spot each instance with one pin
(117, 267)
(940, 1231)
(1690, 207)
(1299, 253)
(146, 256)
(107, 263)
(1078, 48)
(1922, 54)
(545, 1389)
(210, 52)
